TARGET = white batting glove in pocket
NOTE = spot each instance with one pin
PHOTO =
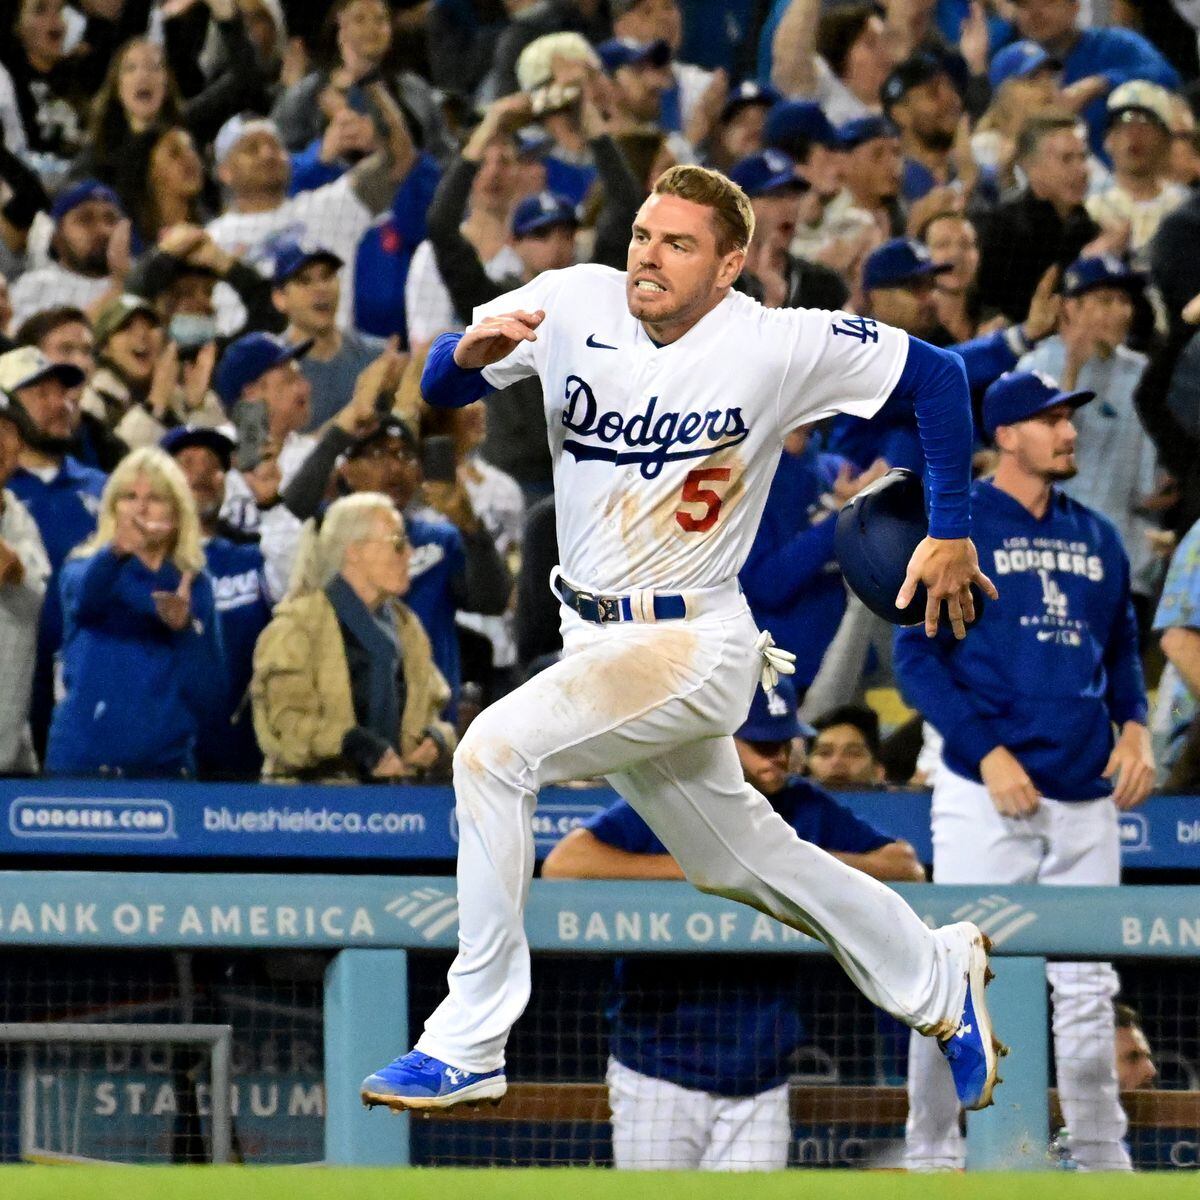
(776, 660)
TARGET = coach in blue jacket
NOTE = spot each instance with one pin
(1031, 780)
(702, 1049)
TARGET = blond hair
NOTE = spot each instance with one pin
(535, 66)
(322, 549)
(732, 212)
(167, 481)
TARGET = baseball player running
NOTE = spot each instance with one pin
(1032, 779)
(667, 398)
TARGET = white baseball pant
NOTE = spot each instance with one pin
(1065, 844)
(651, 707)
(659, 1126)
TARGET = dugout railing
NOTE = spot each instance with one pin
(372, 926)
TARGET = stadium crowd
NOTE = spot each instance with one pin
(230, 231)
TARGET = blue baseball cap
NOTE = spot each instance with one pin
(622, 52)
(291, 258)
(794, 125)
(540, 212)
(222, 441)
(749, 94)
(81, 193)
(898, 262)
(766, 172)
(772, 716)
(1018, 61)
(1105, 270)
(249, 359)
(865, 129)
(1019, 395)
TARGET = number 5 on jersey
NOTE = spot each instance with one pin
(694, 493)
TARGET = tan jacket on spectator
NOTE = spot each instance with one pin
(301, 690)
(108, 399)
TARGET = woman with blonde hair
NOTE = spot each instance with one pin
(141, 663)
(344, 684)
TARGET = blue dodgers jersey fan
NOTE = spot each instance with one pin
(1051, 664)
(729, 1027)
(227, 745)
(438, 559)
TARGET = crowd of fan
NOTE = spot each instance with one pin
(234, 541)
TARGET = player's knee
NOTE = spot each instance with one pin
(485, 753)
(730, 882)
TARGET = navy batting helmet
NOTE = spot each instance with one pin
(877, 532)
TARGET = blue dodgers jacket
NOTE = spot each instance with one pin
(136, 691)
(791, 577)
(1051, 665)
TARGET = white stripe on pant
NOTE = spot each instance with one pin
(1063, 844)
(652, 707)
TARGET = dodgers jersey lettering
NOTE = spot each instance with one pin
(663, 455)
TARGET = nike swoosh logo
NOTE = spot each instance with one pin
(595, 345)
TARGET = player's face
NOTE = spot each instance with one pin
(1044, 446)
(1135, 1064)
(765, 764)
(676, 272)
(840, 757)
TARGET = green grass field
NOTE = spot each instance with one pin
(317, 1183)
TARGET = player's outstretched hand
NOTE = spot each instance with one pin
(1008, 784)
(1132, 763)
(947, 567)
(495, 338)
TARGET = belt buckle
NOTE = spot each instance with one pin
(608, 608)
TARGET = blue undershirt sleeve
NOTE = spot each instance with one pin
(444, 384)
(935, 383)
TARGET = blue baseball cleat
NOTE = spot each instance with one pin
(972, 1049)
(420, 1081)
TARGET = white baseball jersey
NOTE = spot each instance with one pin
(663, 455)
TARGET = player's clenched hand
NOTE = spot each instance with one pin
(947, 567)
(1009, 786)
(495, 338)
(1133, 765)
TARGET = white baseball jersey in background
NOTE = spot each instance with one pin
(663, 456)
